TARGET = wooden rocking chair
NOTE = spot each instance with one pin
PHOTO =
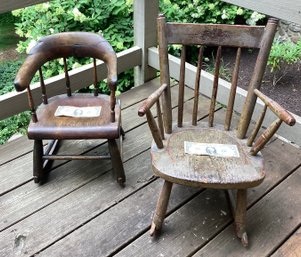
(46, 125)
(169, 161)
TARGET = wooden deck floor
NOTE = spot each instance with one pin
(81, 211)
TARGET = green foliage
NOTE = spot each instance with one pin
(12, 125)
(113, 19)
(7, 18)
(8, 38)
(207, 11)
(282, 55)
(17, 123)
(8, 72)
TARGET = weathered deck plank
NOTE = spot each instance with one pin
(87, 214)
(114, 228)
(271, 220)
(19, 172)
(193, 227)
(15, 149)
(292, 247)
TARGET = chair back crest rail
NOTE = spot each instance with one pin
(64, 45)
(218, 36)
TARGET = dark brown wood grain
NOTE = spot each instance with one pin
(45, 125)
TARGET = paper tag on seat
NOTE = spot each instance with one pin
(78, 112)
(216, 150)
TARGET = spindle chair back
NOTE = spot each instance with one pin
(46, 125)
(169, 160)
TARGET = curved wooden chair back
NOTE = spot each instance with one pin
(46, 125)
(64, 45)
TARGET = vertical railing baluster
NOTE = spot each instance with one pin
(181, 87)
(233, 90)
(197, 87)
(67, 78)
(95, 78)
(215, 86)
(43, 87)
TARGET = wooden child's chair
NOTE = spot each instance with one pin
(169, 160)
(45, 125)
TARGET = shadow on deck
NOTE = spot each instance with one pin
(81, 211)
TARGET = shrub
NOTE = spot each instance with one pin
(12, 125)
(112, 18)
(207, 11)
(282, 55)
(8, 72)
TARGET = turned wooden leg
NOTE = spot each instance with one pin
(117, 164)
(240, 216)
(161, 208)
(38, 175)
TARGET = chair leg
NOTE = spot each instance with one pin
(240, 216)
(38, 175)
(122, 132)
(161, 208)
(117, 164)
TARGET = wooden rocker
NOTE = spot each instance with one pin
(169, 160)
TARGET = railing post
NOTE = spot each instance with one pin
(145, 36)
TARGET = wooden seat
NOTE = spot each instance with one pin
(172, 164)
(46, 125)
(170, 161)
(51, 127)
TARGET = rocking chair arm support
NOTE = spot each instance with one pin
(276, 108)
(151, 100)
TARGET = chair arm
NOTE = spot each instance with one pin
(149, 102)
(276, 108)
(282, 115)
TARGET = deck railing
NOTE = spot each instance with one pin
(144, 56)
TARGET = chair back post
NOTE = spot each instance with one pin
(68, 88)
(255, 83)
(215, 86)
(31, 106)
(112, 82)
(164, 75)
(96, 91)
(43, 87)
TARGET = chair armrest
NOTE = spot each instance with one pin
(149, 102)
(276, 108)
(282, 115)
